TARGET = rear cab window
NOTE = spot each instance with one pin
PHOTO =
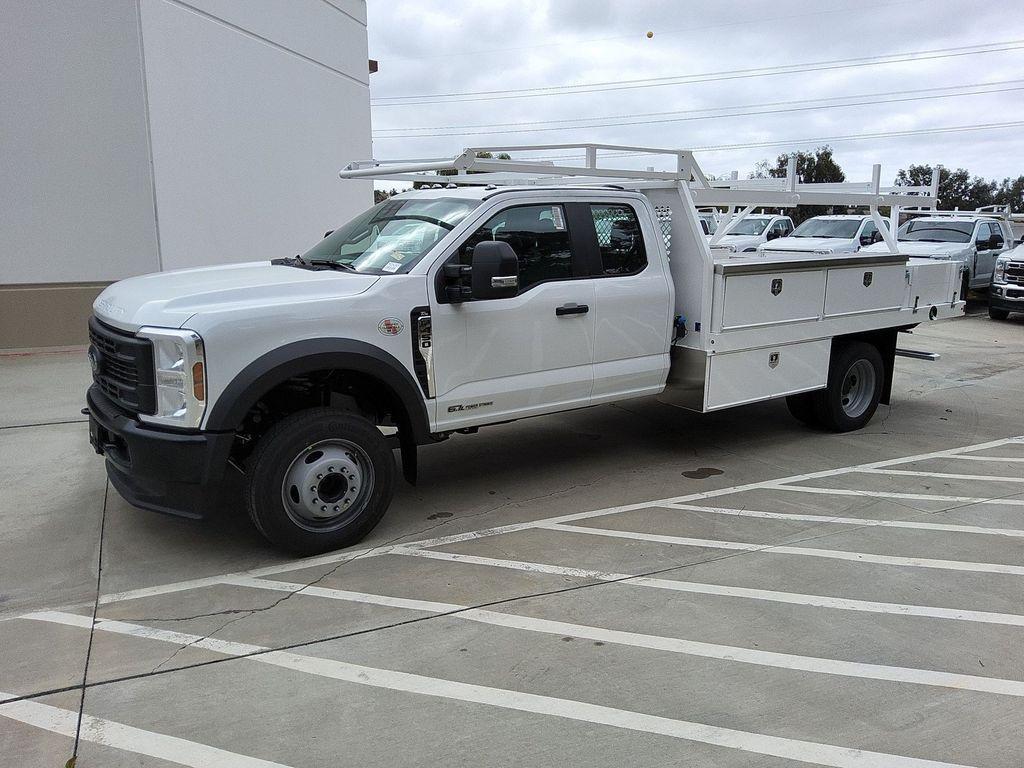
(620, 241)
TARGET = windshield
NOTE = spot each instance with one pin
(392, 235)
(844, 228)
(931, 231)
(750, 227)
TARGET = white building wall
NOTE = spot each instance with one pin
(76, 196)
(253, 108)
(138, 135)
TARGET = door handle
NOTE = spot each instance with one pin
(572, 309)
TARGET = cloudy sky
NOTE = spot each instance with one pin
(705, 64)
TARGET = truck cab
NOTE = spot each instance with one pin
(823, 235)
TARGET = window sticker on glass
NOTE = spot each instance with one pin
(392, 266)
(556, 217)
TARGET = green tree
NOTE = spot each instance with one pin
(957, 189)
(815, 167)
(1010, 192)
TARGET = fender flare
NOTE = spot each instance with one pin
(297, 358)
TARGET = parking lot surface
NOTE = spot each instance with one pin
(623, 585)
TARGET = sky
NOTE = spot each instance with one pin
(491, 52)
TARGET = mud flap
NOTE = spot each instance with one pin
(407, 447)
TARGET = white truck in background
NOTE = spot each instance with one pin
(747, 233)
(511, 289)
(824, 235)
(971, 239)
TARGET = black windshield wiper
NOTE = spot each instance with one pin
(331, 264)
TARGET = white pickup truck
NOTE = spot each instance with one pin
(517, 290)
(971, 239)
(746, 235)
(824, 235)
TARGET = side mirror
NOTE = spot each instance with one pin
(983, 243)
(867, 239)
(773, 235)
(495, 270)
(996, 241)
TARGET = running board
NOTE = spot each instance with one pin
(918, 355)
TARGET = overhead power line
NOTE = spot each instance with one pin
(703, 77)
(867, 99)
(815, 140)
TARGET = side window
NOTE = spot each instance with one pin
(619, 239)
(984, 233)
(538, 235)
(870, 230)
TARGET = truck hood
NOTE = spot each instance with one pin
(169, 299)
(911, 248)
(807, 244)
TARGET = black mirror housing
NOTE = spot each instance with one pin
(495, 270)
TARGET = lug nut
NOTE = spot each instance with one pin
(336, 509)
(323, 509)
(319, 477)
(330, 469)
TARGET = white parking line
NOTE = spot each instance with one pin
(569, 709)
(338, 557)
(660, 643)
(125, 737)
(779, 549)
(893, 495)
(1010, 459)
(939, 475)
(858, 521)
(697, 587)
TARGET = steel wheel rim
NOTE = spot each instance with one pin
(327, 484)
(858, 389)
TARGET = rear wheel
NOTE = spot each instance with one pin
(998, 314)
(855, 378)
(320, 479)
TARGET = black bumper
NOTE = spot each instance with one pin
(177, 473)
(1009, 298)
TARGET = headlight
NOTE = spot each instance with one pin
(180, 376)
(1000, 274)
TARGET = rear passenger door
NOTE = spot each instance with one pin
(634, 306)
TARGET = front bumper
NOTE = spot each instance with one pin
(1005, 296)
(176, 473)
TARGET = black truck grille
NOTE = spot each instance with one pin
(122, 367)
(1015, 272)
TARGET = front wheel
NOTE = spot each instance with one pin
(855, 377)
(998, 314)
(319, 479)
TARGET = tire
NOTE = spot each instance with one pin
(855, 377)
(998, 314)
(320, 479)
(801, 407)
(965, 286)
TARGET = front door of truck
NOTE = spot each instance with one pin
(527, 354)
(988, 248)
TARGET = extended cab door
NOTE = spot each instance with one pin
(528, 354)
(634, 303)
